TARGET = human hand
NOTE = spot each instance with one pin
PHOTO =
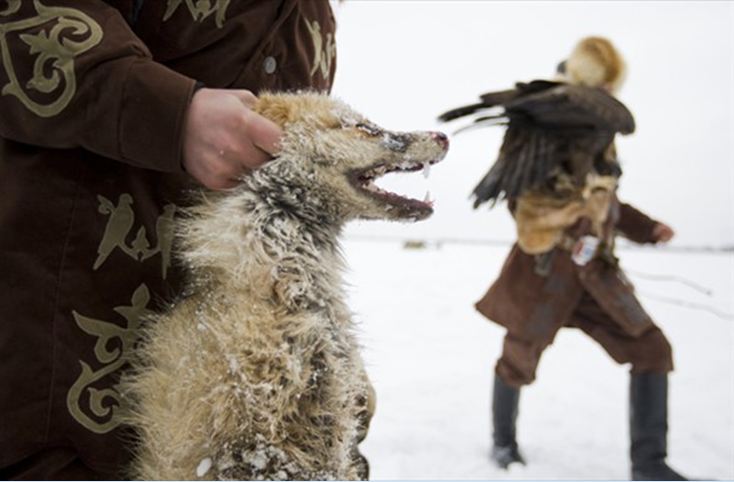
(224, 138)
(662, 233)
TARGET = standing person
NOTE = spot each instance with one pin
(110, 110)
(558, 170)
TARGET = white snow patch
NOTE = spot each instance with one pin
(204, 467)
(392, 143)
(259, 459)
(234, 365)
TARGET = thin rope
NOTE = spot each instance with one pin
(671, 278)
(689, 304)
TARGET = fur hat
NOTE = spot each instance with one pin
(596, 63)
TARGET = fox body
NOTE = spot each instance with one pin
(255, 373)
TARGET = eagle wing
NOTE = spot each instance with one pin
(555, 105)
(553, 129)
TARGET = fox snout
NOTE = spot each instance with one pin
(440, 138)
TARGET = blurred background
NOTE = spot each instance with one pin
(404, 62)
(429, 354)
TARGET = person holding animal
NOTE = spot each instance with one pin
(111, 111)
(558, 169)
(256, 374)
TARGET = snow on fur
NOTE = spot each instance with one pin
(255, 373)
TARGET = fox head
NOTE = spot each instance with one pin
(330, 157)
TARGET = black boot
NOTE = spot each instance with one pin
(504, 414)
(649, 427)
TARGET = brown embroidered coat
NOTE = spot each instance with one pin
(94, 95)
(531, 305)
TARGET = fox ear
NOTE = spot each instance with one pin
(277, 108)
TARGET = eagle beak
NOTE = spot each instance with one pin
(561, 68)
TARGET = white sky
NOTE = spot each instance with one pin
(403, 62)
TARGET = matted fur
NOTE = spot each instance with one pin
(256, 373)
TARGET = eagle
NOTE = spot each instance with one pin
(558, 132)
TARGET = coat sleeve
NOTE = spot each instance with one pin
(635, 225)
(73, 74)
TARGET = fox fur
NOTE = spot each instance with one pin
(256, 373)
(542, 219)
(594, 62)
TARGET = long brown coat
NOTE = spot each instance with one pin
(531, 305)
(94, 95)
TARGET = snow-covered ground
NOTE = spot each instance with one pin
(431, 359)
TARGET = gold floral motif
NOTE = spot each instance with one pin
(200, 9)
(324, 52)
(66, 34)
(119, 225)
(97, 413)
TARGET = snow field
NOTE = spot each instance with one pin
(431, 356)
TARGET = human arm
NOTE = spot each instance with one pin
(73, 75)
(640, 228)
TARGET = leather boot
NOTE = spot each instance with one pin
(505, 401)
(649, 427)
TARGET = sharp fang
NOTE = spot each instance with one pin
(426, 169)
(427, 199)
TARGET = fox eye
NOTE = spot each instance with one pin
(368, 129)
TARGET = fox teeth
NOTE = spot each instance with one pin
(427, 199)
(426, 169)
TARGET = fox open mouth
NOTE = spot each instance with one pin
(364, 181)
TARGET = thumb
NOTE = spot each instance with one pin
(245, 96)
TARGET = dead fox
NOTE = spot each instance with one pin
(256, 372)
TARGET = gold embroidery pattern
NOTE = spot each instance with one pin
(13, 6)
(93, 408)
(200, 10)
(119, 225)
(324, 53)
(99, 413)
(67, 34)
